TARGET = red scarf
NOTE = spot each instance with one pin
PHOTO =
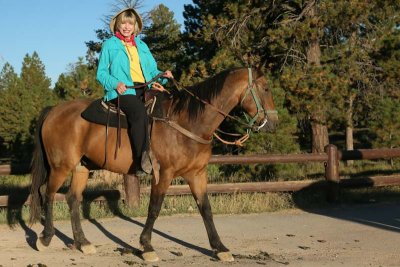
(126, 40)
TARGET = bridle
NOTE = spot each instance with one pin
(248, 123)
(251, 88)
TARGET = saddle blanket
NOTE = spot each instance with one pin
(96, 112)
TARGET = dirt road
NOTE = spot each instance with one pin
(366, 235)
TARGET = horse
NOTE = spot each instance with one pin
(63, 138)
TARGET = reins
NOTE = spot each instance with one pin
(226, 115)
(238, 142)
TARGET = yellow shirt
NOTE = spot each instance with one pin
(134, 63)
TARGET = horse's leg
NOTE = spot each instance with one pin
(156, 199)
(74, 198)
(55, 181)
(198, 186)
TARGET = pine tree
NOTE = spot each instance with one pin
(203, 56)
(79, 82)
(386, 123)
(163, 36)
(34, 94)
(36, 84)
(15, 110)
(224, 34)
(384, 104)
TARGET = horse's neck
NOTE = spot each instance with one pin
(220, 106)
(208, 121)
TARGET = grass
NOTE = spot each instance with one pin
(237, 203)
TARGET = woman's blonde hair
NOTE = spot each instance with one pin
(127, 16)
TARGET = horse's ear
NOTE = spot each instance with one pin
(260, 68)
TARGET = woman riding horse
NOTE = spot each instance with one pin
(126, 61)
(181, 142)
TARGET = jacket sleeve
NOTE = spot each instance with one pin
(103, 75)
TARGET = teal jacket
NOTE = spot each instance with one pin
(114, 66)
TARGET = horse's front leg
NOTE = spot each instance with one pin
(74, 199)
(157, 195)
(198, 186)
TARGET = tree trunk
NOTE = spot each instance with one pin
(319, 137)
(132, 190)
(319, 129)
(350, 128)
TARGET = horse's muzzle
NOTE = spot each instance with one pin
(267, 124)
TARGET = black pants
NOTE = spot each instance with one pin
(136, 115)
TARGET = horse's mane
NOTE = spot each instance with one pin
(206, 90)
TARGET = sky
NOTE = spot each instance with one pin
(58, 29)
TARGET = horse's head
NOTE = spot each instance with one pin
(257, 101)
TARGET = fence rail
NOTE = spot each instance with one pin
(331, 184)
(255, 187)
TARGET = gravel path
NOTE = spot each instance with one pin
(364, 235)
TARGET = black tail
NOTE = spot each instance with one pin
(39, 169)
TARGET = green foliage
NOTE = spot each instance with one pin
(333, 61)
(34, 80)
(386, 123)
(78, 82)
(163, 36)
(204, 55)
(21, 100)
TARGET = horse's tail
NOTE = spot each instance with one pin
(39, 169)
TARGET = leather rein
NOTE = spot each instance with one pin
(248, 125)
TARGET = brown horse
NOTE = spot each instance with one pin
(64, 138)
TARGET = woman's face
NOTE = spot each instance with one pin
(126, 29)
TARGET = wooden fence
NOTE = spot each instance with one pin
(331, 184)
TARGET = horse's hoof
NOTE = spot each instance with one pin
(150, 256)
(225, 256)
(40, 246)
(88, 249)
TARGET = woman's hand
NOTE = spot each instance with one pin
(158, 87)
(168, 74)
(121, 88)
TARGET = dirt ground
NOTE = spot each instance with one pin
(363, 235)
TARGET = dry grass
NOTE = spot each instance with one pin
(221, 203)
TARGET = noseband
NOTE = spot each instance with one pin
(251, 87)
(249, 125)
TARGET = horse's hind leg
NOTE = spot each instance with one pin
(55, 181)
(74, 199)
(198, 186)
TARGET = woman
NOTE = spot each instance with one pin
(125, 60)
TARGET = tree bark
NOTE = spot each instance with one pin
(132, 190)
(320, 136)
(350, 128)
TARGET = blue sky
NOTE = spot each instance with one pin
(57, 30)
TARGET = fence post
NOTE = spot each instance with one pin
(332, 173)
(132, 190)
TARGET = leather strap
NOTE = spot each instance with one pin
(184, 131)
(146, 83)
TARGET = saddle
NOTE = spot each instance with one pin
(106, 113)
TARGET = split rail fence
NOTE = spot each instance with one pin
(331, 184)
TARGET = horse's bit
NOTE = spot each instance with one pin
(250, 120)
